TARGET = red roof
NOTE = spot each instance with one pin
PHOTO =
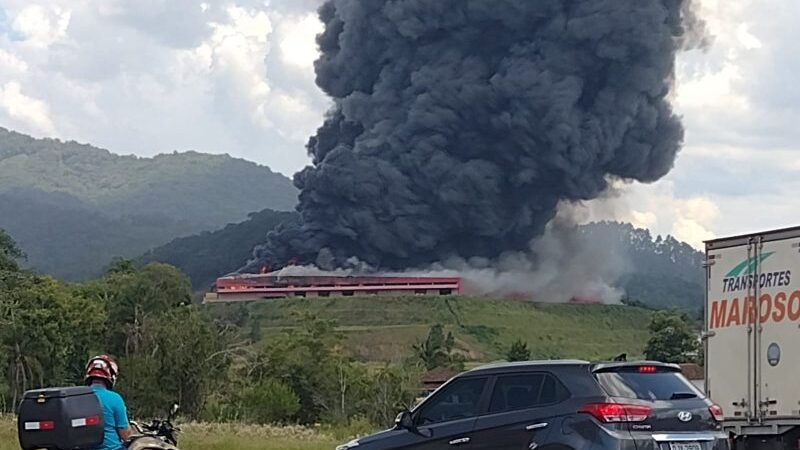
(248, 281)
(693, 371)
(438, 375)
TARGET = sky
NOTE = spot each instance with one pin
(236, 76)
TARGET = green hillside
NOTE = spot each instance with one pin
(211, 254)
(384, 328)
(74, 207)
(74, 243)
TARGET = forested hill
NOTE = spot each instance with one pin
(208, 255)
(659, 272)
(74, 207)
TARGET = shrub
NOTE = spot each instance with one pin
(270, 401)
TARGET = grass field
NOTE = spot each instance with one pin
(384, 328)
(222, 437)
(235, 437)
(8, 434)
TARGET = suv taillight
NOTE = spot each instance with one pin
(617, 412)
(716, 412)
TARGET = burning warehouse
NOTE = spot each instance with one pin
(237, 288)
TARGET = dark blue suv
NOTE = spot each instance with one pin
(559, 405)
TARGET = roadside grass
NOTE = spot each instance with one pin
(250, 437)
(222, 437)
(8, 433)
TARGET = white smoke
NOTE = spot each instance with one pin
(563, 265)
(310, 271)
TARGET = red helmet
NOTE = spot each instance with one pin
(102, 367)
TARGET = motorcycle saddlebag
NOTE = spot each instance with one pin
(68, 418)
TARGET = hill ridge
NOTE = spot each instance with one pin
(5, 133)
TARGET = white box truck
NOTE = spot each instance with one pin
(752, 337)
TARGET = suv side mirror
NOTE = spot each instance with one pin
(404, 421)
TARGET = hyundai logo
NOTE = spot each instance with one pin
(685, 416)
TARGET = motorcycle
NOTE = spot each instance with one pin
(159, 435)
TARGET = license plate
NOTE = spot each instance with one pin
(685, 446)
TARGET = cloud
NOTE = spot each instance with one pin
(740, 102)
(743, 89)
(655, 207)
(152, 76)
(234, 58)
(174, 23)
(714, 89)
(296, 48)
(694, 219)
(41, 26)
(28, 113)
(11, 64)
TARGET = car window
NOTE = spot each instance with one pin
(457, 400)
(531, 390)
(648, 386)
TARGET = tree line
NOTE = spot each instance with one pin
(215, 362)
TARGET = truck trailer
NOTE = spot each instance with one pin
(752, 337)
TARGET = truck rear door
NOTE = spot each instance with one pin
(730, 338)
(777, 362)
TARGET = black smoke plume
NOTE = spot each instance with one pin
(459, 125)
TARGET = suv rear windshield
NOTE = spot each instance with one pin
(647, 386)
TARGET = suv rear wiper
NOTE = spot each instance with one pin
(682, 395)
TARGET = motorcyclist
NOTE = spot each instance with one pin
(101, 375)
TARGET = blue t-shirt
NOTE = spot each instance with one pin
(115, 417)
